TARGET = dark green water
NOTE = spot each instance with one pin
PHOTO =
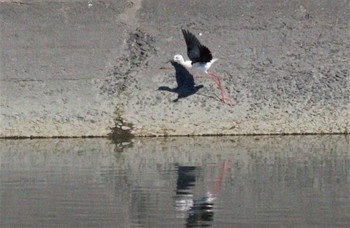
(267, 181)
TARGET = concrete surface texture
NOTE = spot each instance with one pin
(93, 68)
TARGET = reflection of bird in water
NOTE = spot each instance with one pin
(205, 200)
(199, 212)
(201, 60)
(187, 203)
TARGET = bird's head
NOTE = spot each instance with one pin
(178, 58)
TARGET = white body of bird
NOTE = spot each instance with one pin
(200, 67)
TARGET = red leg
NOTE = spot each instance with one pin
(224, 94)
(218, 83)
(225, 166)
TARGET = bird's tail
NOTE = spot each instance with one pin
(211, 62)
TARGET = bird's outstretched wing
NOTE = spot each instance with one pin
(195, 50)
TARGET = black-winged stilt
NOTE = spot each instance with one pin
(201, 60)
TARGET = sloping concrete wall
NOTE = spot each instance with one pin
(80, 68)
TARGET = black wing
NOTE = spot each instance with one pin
(195, 50)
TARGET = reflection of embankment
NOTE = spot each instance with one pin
(199, 150)
(265, 169)
(287, 160)
(262, 171)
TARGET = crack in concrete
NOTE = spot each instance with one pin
(139, 47)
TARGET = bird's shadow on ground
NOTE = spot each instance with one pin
(185, 83)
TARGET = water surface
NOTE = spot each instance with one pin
(267, 181)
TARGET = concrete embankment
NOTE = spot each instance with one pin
(93, 68)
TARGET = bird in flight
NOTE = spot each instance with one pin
(201, 60)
